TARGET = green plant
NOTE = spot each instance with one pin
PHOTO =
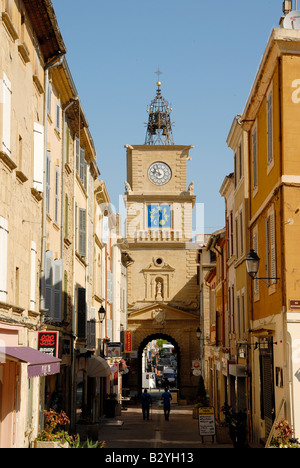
(53, 422)
(77, 444)
(283, 437)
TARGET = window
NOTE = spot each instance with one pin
(81, 313)
(82, 233)
(38, 156)
(56, 194)
(3, 258)
(58, 111)
(241, 233)
(83, 167)
(48, 167)
(33, 257)
(53, 287)
(6, 104)
(66, 216)
(270, 248)
(240, 161)
(255, 246)
(270, 127)
(254, 158)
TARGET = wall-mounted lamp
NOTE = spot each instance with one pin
(101, 313)
(252, 264)
(198, 333)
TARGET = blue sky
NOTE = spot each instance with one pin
(209, 58)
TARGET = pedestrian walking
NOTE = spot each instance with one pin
(146, 403)
(166, 397)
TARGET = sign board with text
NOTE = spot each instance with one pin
(207, 424)
(48, 342)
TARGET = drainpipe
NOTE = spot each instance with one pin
(53, 63)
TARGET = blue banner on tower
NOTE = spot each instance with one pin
(159, 216)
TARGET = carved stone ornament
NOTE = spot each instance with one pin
(159, 316)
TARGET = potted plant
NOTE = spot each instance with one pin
(284, 435)
(53, 436)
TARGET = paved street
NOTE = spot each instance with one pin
(180, 432)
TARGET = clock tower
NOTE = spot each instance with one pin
(163, 291)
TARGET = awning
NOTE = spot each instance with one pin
(39, 364)
(97, 367)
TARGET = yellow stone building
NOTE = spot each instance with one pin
(271, 118)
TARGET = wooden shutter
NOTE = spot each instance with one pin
(33, 256)
(270, 127)
(38, 156)
(82, 232)
(48, 168)
(272, 247)
(254, 158)
(57, 290)
(49, 282)
(3, 258)
(6, 129)
(77, 153)
(81, 314)
(91, 334)
(267, 237)
(56, 194)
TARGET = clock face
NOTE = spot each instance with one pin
(159, 173)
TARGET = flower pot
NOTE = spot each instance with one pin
(45, 444)
(222, 435)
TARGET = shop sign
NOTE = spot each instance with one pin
(48, 342)
(113, 350)
(128, 342)
(294, 304)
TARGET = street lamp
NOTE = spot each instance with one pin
(101, 313)
(252, 264)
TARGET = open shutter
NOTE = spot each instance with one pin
(56, 194)
(38, 156)
(58, 271)
(3, 258)
(48, 187)
(6, 96)
(82, 233)
(272, 246)
(49, 282)
(267, 237)
(255, 246)
(33, 256)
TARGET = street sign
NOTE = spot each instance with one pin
(207, 424)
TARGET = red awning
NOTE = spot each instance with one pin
(39, 364)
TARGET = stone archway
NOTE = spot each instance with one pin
(155, 336)
(179, 327)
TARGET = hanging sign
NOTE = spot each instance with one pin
(113, 349)
(128, 342)
(48, 342)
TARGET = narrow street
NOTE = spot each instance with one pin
(130, 430)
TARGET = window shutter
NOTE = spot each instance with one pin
(254, 158)
(38, 156)
(267, 237)
(3, 258)
(273, 246)
(77, 150)
(49, 282)
(270, 129)
(33, 256)
(56, 194)
(81, 317)
(58, 110)
(255, 245)
(91, 334)
(66, 216)
(76, 226)
(82, 232)
(58, 271)
(6, 115)
(48, 166)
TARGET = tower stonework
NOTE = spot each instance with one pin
(163, 294)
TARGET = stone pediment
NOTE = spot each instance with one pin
(160, 313)
(156, 267)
